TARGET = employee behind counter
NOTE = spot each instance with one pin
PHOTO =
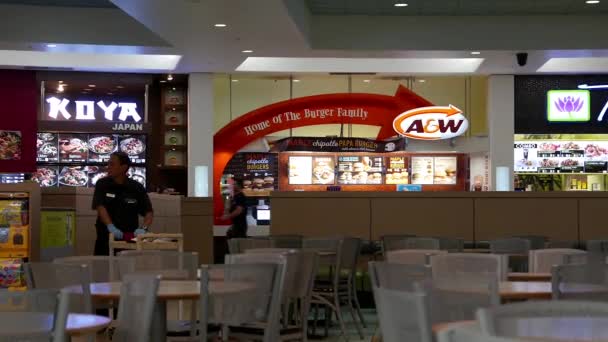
(119, 201)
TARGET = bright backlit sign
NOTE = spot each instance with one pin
(431, 123)
(568, 106)
(85, 110)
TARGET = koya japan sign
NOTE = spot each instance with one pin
(87, 110)
(431, 123)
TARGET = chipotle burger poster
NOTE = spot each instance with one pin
(257, 170)
(18, 121)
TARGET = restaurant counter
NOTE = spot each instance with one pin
(473, 216)
(172, 214)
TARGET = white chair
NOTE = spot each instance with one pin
(402, 315)
(510, 246)
(422, 243)
(470, 263)
(472, 334)
(269, 250)
(452, 245)
(33, 315)
(580, 282)
(412, 256)
(502, 320)
(542, 260)
(49, 276)
(394, 242)
(257, 308)
(403, 277)
(286, 241)
(462, 283)
(300, 273)
(240, 245)
(136, 309)
(103, 268)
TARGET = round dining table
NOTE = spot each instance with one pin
(170, 290)
(77, 324)
(572, 329)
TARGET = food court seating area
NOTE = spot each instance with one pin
(284, 288)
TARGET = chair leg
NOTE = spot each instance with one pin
(358, 306)
(339, 315)
(315, 319)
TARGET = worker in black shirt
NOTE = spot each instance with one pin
(238, 212)
(119, 202)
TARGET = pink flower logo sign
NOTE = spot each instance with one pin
(568, 105)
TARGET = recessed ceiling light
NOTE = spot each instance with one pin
(87, 89)
(60, 81)
(51, 45)
(296, 80)
(220, 25)
(366, 81)
(592, 2)
(421, 81)
(475, 53)
(110, 94)
(400, 4)
(163, 81)
(119, 87)
(247, 51)
(92, 86)
(235, 80)
(169, 77)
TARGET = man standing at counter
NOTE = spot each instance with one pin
(119, 201)
(238, 212)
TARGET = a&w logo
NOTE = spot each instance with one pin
(431, 123)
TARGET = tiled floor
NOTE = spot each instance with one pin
(369, 315)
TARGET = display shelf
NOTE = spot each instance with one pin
(173, 167)
(176, 147)
(174, 136)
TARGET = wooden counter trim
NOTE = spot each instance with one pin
(454, 194)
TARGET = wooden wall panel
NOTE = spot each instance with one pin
(446, 217)
(555, 218)
(314, 217)
(593, 219)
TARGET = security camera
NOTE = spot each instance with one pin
(522, 58)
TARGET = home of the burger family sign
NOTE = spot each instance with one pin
(431, 123)
(122, 114)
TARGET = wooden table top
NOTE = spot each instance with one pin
(525, 290)
(173, 289)
(77, 324)
(573, 329)
(526, 276)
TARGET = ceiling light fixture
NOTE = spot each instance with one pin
(366, 81)
(51, 45)
(235, 80)
(592, 2)
(119, 87)
(296, 81)
(61, 88)
(401, 4)
(87, 89)
(247, 51)
(169, 77)
(421, 81)
(92, 86)
(475, 53)
(60, 81)
(220, 25)
(163, 81)
(110, 94)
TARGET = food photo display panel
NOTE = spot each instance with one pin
(134, 146)
(396, 170)
(10, 145)
(101, 146)
(555, 156)
(73, 148)
(300, 170)
(323, 169)
(47, 148)
(359, 170)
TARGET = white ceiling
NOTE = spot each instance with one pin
(292, 36)
(454, 7)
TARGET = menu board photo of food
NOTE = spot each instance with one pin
(101, 146)
(359, 170)
(323, 169)
(73, 176)
(95, 173)
(396, 170)
(46, 176)
(73, 148)
(445, 170)
(300, 170)
(138, 174)
(422, 170)
(46, 147)
(134, 146)
(10, 145)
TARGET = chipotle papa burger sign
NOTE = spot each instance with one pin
(431, 123)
